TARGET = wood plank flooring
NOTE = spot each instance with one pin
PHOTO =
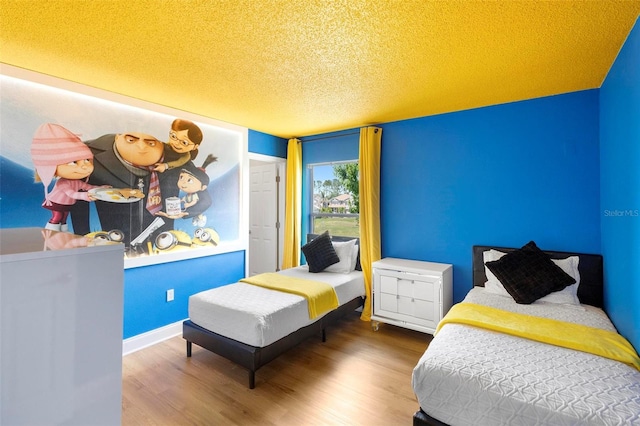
(357, 377)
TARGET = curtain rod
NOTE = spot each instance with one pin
(329, 137)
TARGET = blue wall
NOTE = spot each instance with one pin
(501, 175)
(620, 187)
(262, 143)
(145, 305)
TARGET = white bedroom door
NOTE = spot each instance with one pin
(266, 209)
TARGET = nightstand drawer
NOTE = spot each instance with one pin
(407, 308)
(423, 287)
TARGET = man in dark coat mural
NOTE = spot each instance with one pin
(126, 161)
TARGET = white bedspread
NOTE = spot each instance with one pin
(258, 316)
(471, 376)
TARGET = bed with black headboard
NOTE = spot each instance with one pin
(252, 325)
(470, 375)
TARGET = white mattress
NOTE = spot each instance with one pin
(471, 376)
(258, 316)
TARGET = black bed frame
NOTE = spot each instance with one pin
(590, 292)
(253, 357)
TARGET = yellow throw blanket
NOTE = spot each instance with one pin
(604, 343)
(321, 297)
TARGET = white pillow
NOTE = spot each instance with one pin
(344, 250)
(354, 256)
(493, 285)
(569, 294)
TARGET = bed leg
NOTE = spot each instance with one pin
(189, 344)
(324, 335)
(252, 379)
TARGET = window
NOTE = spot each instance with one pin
(336, 201)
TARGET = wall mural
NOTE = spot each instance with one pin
(157, 183)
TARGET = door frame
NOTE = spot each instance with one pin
(260, 160)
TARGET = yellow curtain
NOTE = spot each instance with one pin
(293, 205)
(370, 144)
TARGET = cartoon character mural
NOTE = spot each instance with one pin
(179, 240)
(64, 240)
(184, 139)
(114, 165)
(129, 160)
(172, 241)
(205, 237)
(129, 176)
(59, 154)
(196, 199)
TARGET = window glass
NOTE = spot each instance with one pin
(335, 201)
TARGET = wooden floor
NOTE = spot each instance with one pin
(357, 377)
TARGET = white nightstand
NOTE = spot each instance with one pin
(411, 293)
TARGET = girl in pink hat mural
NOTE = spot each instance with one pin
(58, 153)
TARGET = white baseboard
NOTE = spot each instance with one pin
(150, 338)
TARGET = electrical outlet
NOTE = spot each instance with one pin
(170, 295)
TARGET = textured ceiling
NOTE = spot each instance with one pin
(302, 67)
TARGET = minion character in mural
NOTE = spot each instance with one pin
(59, 154)
(205, 237)
(170, 241)
(99, 237)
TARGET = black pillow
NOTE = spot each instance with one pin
(320, 253)
(529, 274)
